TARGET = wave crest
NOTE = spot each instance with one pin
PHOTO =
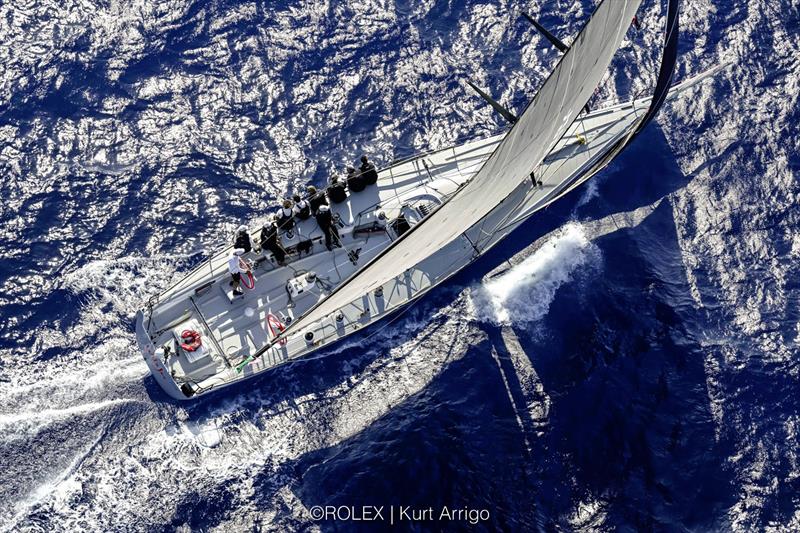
(524, 293)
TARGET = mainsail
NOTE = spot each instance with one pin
(536, 132)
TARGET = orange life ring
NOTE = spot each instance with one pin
(276, 327)
(192, 340)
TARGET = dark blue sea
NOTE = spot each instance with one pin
(627, 360)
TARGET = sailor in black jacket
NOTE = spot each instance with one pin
(315, 198)
(270, 240)
(355, 181)
(368, 172)
(336, 191)
(242, 239)
(325, 221)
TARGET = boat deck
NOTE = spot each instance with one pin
(236, 327)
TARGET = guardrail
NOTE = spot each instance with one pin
(154, 300)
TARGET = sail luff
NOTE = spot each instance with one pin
(666, 71)
(663, 87)
(669, 59)
(537, 130)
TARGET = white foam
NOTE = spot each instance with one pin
(24, 424)
(252, 433)
(206, 433)
(524, 293)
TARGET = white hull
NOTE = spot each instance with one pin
(235, 330)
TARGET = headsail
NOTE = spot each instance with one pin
(668, 60)
(536, 132)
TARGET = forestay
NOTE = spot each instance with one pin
(666, 71)
(544, 121)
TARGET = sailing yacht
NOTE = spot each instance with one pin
(426, 218)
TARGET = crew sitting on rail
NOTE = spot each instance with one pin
(286, 217)
(235, 270)
(355, 181)
(242, 239)
(301, 208)
(270, 240)
(315, 198)
(325, 220)
(336, 191)
(368, 172)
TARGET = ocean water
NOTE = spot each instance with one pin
(625, 361)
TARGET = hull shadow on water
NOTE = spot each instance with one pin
(613, 400)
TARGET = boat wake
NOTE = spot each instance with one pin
(217, 446)
(524, 293)
(166, 151)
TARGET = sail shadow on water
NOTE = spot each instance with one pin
(464, 408)
(622, 413)
(621, 361)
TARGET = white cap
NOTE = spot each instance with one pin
(242, 228)
(323, 207)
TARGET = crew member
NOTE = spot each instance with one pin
(315, 198)
(368, 172)
(242, 239)
(301, 208)
(286, 217)
(355, 181)
(325, 220)
(235, 270)
(270, 240)
(336, 191)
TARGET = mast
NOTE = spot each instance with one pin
(534, 134)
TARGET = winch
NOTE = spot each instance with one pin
(301, 284)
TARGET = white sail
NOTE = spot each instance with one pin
(539, 128)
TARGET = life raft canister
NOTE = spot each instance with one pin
(276, 327)
(192, 340)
